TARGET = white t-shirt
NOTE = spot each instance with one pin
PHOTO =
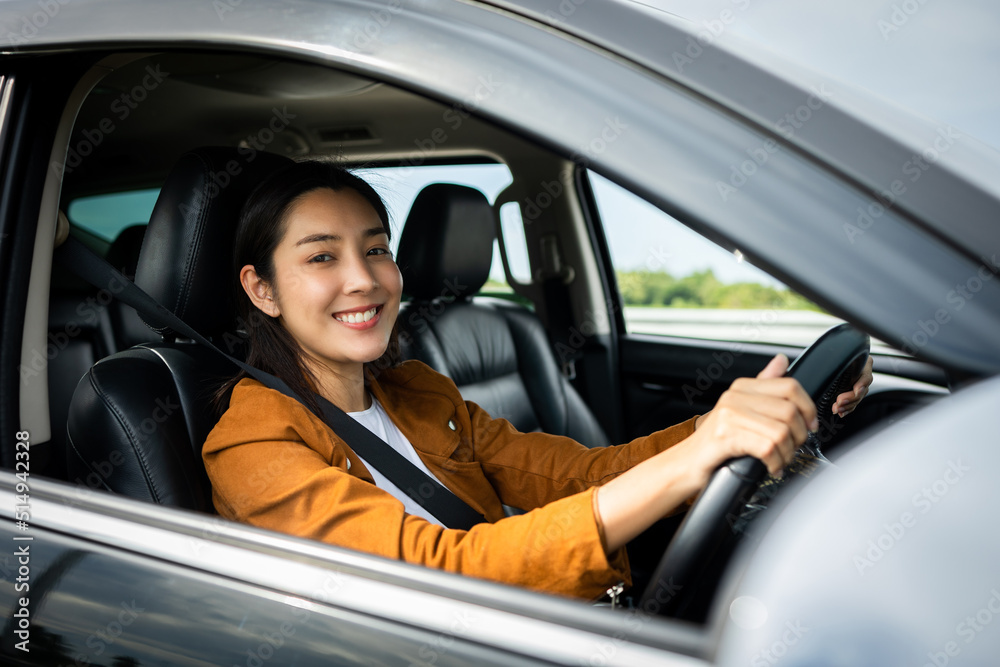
(377, 421)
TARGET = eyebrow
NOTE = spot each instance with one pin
(318, 238)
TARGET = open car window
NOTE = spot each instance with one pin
(674, 282)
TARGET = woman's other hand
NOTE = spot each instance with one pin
(848, 401)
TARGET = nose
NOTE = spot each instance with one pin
(359, 276)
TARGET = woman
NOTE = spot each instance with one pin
(320, 295)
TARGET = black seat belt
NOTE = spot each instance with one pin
(430, 494)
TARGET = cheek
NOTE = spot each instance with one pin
(297, 295)
(289, 281)
(391, 279)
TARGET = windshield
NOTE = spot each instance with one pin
(938, 58)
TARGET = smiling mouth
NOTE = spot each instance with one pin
(358, 317)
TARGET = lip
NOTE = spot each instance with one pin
(362, 325)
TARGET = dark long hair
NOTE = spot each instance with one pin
(261, 227)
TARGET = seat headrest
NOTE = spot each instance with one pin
(447, 244)
(186, 258)
(124, 251)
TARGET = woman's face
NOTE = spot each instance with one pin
(337, 286)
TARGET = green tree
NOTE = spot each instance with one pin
(702, 289)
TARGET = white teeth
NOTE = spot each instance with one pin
(356, 318)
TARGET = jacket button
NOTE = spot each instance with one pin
(451, 425)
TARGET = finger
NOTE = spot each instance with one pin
(849, 400)
(788, 389)
(779, 413)
(771, 443)
(743, 433)
(865, 381)
(845, 408)
(777, 420)
(846, 401)
(775, 368)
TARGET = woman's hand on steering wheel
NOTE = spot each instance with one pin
(767, 417)
(848, 401)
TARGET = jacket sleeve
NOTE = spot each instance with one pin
(530, 470)
(274, 465)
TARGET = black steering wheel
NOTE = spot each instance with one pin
(827, 368)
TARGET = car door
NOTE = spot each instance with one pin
(80, 598)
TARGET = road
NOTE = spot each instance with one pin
(786, 327)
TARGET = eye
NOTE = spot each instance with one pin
(322, 257)
(380, 251)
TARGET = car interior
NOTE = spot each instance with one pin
(511, 284)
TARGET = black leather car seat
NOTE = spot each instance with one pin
(139, 417)
(495, 350)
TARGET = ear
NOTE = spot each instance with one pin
(260, 292)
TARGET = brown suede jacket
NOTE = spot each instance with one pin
(274, 464)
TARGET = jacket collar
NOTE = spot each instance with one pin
(424, 405)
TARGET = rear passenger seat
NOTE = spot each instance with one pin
(86, 325)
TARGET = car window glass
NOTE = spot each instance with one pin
(674, 282)
(107, 215)
(399, 186)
